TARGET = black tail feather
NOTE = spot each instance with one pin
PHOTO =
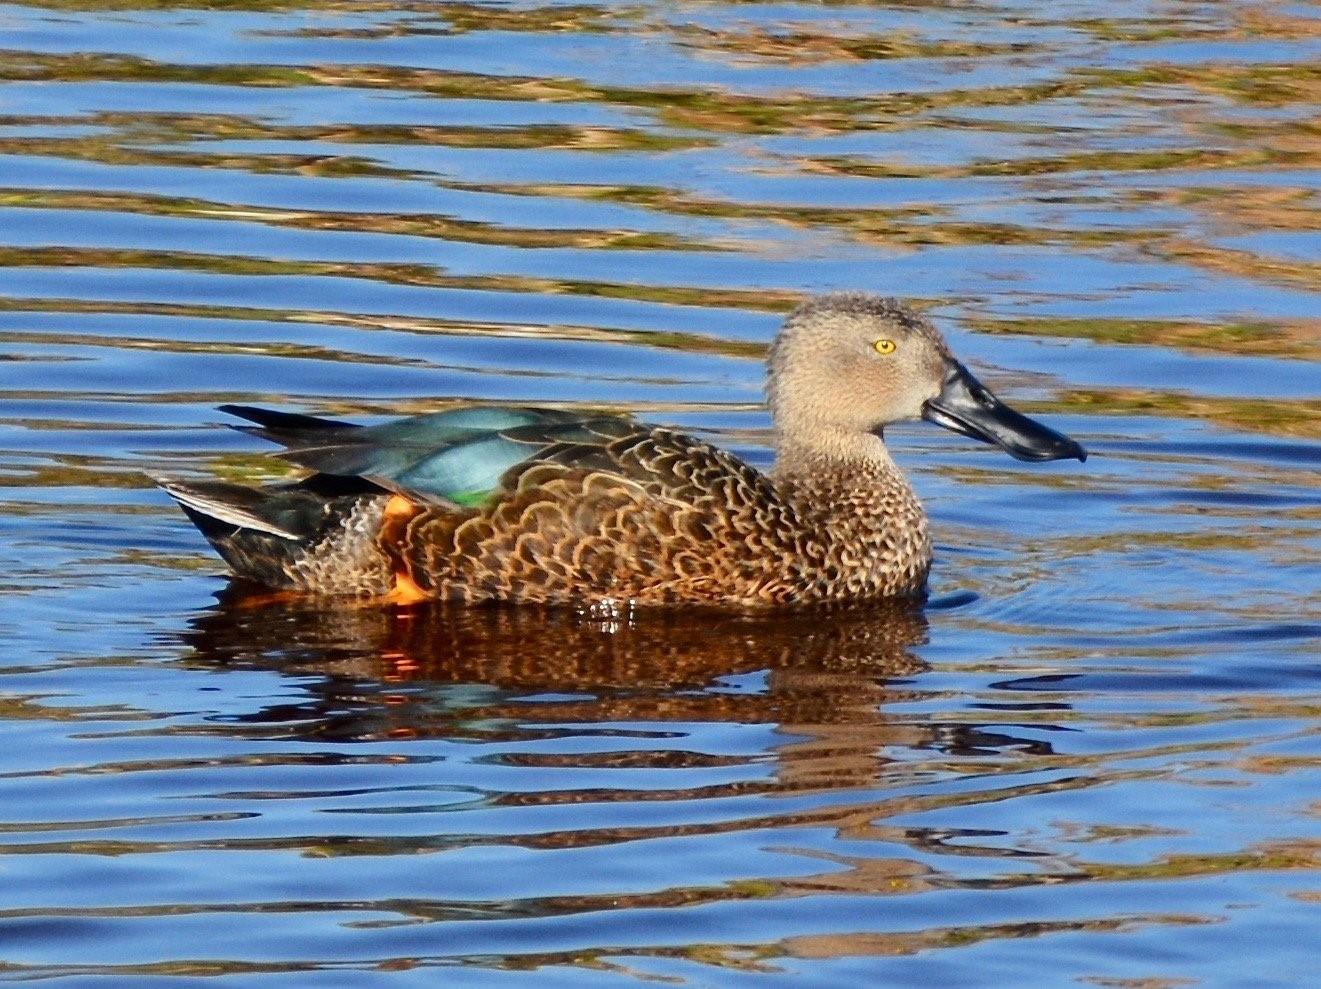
(272, 419)
(286, 428)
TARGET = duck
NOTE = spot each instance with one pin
(547, 506)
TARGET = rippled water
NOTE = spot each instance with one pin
(1093, 758)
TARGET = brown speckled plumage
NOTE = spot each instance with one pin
(606, 512)
(666, 519)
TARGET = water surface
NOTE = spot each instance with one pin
(1093, 759)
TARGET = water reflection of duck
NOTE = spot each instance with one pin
(439, 670)
(536, 648)
(543, 505)
(443, 670)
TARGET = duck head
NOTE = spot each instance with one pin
(848, 365)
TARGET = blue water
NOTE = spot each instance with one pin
(1093, 759)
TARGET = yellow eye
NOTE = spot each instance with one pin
(883, 346)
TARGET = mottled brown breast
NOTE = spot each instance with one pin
(862, 533)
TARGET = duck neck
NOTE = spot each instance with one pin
(844, 456)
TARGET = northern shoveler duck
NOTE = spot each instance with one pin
(497, 503)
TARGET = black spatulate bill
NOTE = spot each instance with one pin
(966, 406)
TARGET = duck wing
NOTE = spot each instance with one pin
(460, 456)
